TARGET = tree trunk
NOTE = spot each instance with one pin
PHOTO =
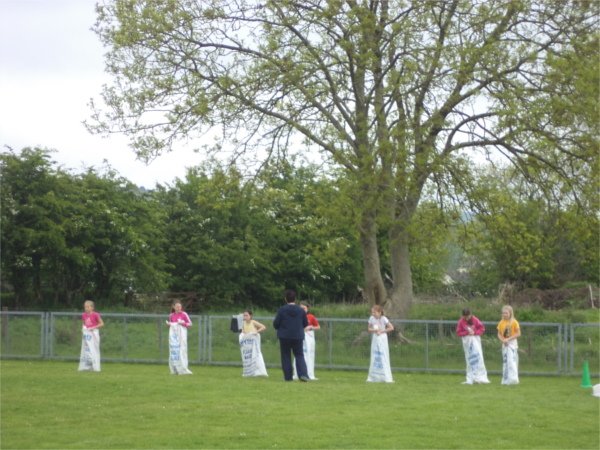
(401, 293)
(374, 290)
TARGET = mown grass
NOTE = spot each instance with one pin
(51, 405)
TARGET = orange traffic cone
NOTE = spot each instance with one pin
(586, 382)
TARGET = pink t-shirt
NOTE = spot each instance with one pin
(462, 327)
(174, 317)
(91, 320)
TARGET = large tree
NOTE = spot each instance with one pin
(397, 93)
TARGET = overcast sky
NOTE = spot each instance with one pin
(51, 64)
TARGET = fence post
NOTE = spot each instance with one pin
(427, 345)
(572, 347)
(209, 340)
(559, 348)
(201, 338)
(4, 323)
(565, 348)
(5, 333)
(44, 336)
(330, 342)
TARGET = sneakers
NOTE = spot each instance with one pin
(304, 379)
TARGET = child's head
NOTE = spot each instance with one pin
(305, 306)
(248, 314)
(177, 306)
(88, 306)
(377, 311)
(466, 313)
(507, 312)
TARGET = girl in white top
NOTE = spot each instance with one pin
(379, 326)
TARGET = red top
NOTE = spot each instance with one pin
(312, 320)
(462, 327)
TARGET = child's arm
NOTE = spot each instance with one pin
(515, 335)
(389, 327)
(461, 329)
(371, 329)
(98, 325)
(314, 324)
(186, 321)
(478, 328)
(501, 337)
(259, 326)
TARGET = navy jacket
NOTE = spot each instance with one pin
(290, 322)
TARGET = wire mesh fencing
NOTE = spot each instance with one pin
(416, 345)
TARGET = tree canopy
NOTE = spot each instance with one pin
(399, 95)
(230, 241)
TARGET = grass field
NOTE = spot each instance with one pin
(51, 405)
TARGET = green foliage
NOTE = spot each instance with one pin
(235, 242)
(518, 236)
(65, 237)
(243, 243)
(396, 96)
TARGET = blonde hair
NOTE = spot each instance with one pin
(510, 311)
(89, 302)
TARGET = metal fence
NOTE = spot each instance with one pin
(419, 345)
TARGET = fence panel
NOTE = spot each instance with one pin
(125, 337)
(585, 346)
(23, 334)
(419, 345)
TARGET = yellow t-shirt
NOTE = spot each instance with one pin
(508, 328)
(249, 327)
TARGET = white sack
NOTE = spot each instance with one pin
(510, 363)
(252, 359)
(308, 347)
(89, 358)
(178, 354)
(476, 371)
(380, 369)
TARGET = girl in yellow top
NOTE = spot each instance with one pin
(508, 333)
(250, 325)
(252, 359)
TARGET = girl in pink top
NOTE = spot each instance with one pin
(179, 316)
(89, 358)
(178, 324)
(470, 329)
(91, 318)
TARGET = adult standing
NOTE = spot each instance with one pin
(290, 323)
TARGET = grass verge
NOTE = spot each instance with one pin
(51, 405)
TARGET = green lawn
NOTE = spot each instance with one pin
(51, 405)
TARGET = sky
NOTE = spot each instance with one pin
(51, 64)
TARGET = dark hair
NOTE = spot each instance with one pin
(290, 296)
(466, 312)
(303, 303)
(249, 311)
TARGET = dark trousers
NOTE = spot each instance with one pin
(287, 347)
